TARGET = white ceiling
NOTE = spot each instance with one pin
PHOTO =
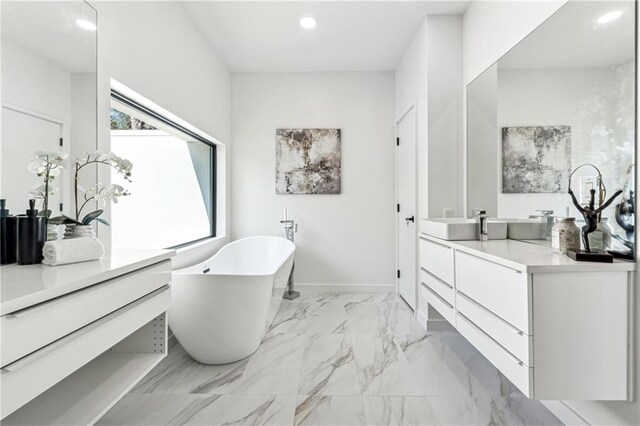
(571, 38)
(261, 36)
(48, 29)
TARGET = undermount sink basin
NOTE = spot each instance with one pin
(460, 229)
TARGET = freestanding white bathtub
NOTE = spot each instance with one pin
(222, 308)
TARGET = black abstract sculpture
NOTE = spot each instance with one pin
(591, 214)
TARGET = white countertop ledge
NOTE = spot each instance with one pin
(529, 258)
(22, 286)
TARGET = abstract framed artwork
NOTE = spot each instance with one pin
(308, 161)
(536, 159)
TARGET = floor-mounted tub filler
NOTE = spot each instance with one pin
(222, 308)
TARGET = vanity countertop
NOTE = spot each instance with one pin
(22, 286)
(529, 258)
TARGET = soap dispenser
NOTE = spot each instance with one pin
(32, 234)
(7, 235)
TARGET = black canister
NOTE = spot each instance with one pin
(32, 234)
(7, 235)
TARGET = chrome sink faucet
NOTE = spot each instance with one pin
(483, 226)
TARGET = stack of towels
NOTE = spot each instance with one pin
(61, 252)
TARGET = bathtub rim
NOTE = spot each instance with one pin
(184, 271)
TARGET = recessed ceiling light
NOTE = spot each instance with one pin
(308, 22)
(87, 25)
(610, 16)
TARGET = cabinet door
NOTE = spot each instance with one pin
(437, 258)
(581, 344)
(49, 321)
(514, 369)
(501, 290)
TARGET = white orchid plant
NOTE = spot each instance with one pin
(99, 193)
(46, 165)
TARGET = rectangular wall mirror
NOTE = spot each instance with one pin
(561, 98)
(49, 69)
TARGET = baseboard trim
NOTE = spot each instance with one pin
(564, 413)
(345, 288)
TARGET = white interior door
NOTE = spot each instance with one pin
(406, 215)
(22, 135)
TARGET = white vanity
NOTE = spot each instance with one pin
(76, 338)
(556, 328)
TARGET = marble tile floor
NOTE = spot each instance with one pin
(334, 359)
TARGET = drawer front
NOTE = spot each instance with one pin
(509, 337)
(503, 291)
(438, 259)
(443, 289)
(30, 376)
(49, 321)
(440, 305)
(518, 373)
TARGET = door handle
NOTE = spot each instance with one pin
(410, 219)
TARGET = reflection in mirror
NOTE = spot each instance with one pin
(561, 98)
(48, 93)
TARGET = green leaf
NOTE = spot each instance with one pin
(45, 213)
(90, 217)
(104, 222)
(63, 220)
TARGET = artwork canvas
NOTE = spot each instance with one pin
(308, 161)
(536, 159)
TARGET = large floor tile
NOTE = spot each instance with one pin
(480, 367)
(382, 367)
(368, 318)
(491, 411)
(330, 410)
(290, 318)
(275, 367)
(399, 410)
(439, 371)
(179, 373)
(335, 359)
(165, 409)
(328, 367)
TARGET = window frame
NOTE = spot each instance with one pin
(121, 98)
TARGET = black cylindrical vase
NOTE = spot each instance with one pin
(7, 236)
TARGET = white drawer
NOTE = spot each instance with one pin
(440, 305)
(513, 369)
(443, 289)
(30, 376)
(49, 321)
(509, 337)
(437, 258)
(503, 291)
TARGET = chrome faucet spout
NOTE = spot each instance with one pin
(483, 226)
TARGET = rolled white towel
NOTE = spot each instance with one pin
(61, 252)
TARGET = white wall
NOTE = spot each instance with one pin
(444, 45)
(430, 75)
(345, 239)
(154, 49)
(411, 81)
(490, 29)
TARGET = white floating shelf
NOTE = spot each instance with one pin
(86, 395)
